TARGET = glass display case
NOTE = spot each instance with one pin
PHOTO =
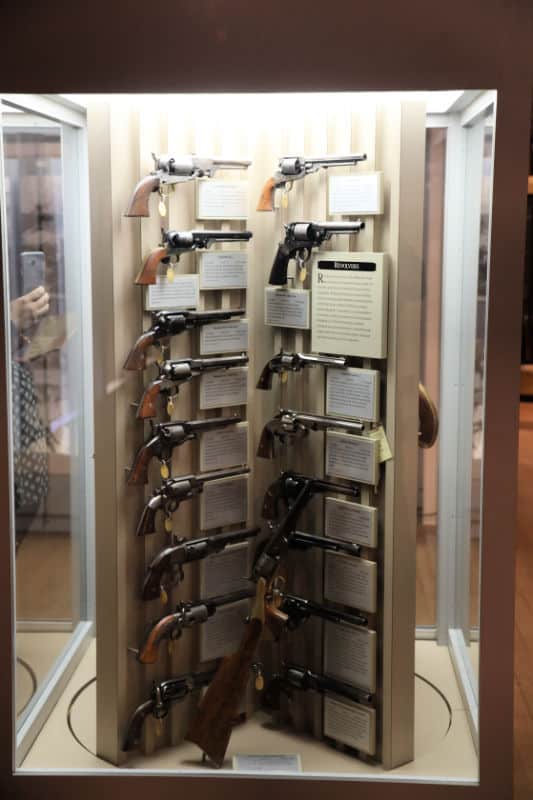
(248, 332)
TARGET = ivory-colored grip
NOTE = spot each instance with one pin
(266, 201)
(147, 275)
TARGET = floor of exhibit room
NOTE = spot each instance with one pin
(440, 748)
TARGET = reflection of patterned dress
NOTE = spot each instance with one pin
(30, 458)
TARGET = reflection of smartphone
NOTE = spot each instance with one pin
(32, 268)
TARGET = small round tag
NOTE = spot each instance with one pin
(162, 208)
(164, 470)
(163, 596)
(284, 377)
(168, 524)
(159, 727)
(170, 406)
(159, 360)
(302, 274)
(170, 274)
(284, 200)
(259, 682)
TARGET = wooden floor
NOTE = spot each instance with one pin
(524, 613)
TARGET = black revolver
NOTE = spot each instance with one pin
(292, 487)
(298, 610)
(170, 323)
(162, 697)
(165, 436)
(174, 243)
(300, 238)
(174, 491)
(166, 569)
(294, 362)
(289, 425)
(295, 677)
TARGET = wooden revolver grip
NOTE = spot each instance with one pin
(211, 728)
(149, 649)
(138, 206)
(148, 273)
(428, 416)
(138, 474)
(266, 201)
(148, 405)
(275, 620)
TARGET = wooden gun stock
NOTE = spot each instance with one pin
(266, 201)
(136, 359)
(211, 728)
(149, 649)
(138, 206)
(138, 474)
(148, 405)
(147, 275)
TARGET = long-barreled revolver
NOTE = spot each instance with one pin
(289, 425)
(294, 168)
(295, 677)
(282, 363)
(300, 238)
(164, 437)
(173, 373)
(298, 610)
(170, 170)
(187, 614)
(174, 491)
(170, 323)
(293, 488)
(162, 697)
(166, 569)
(174, 243)
(211, 727)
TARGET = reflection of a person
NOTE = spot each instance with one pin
(30, 458)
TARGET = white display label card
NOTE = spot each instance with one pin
(350, 655)
(224, 337)
(221, 199)
(290, 762)
(351, 581)
(224, 447)
(225, 572)
(228, 387)
(287, 308)
(182, 292)
(224, 269)
(352, 522)
(361, 193)
(352, 457)
(350, 723)
(224, 502)
(349, 294)
(221, 634)
(353, 393)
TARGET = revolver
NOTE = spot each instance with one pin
(294, 168)
(289, 425)
(174, 243)
(282, 363)
(300, 238)
(170, 170)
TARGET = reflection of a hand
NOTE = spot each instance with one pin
(26, 310)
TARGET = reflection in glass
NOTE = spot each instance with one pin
(40, 399)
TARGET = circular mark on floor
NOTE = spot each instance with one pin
(81, 716)
(25, 683)
(433, 715)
